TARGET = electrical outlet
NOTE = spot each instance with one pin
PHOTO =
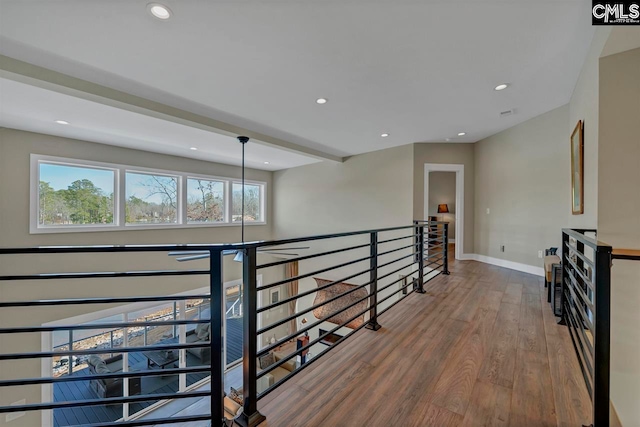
(15, 415)
(539, 254)
(488, 211)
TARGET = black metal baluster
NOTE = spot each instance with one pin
(565, 267)
(373, 278)
(250, 416)
(216, 336)
(601, 352)
(445, 242)
(420, 287)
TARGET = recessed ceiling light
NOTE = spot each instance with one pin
(193, 148)
(160, 11)
(384, 135)
(501, 86)
(462, 133)
(266, 163)
(62, 122)
(321, 101)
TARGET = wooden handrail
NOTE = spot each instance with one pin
(626, 254)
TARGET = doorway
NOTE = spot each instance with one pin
(455, 214)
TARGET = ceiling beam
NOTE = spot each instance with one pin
(44, 78)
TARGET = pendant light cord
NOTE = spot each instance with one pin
(242, 194)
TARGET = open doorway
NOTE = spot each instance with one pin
(444, 199)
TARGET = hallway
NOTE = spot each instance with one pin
(481, 348)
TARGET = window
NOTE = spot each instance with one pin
(73, 195)
(205, 201)
(252, 202)
(76, 195)
(151, 199)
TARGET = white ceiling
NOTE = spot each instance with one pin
(34, 109)
(420, 70)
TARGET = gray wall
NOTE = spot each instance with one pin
(521, 177)
(442, 189)
(15, 149)
(619, 220)
(367, 191)
(446, 153)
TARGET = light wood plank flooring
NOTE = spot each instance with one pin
(481, 348)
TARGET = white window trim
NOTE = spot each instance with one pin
(119, 194)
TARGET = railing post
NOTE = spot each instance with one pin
(216, 303)
(373, 278)
(420, 249)
(445, 251)
(601, 351)
(565, 266)
(250, 416)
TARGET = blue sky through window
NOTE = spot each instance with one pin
(60, 177)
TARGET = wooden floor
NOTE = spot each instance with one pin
(482, 348)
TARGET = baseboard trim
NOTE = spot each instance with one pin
(525, 268)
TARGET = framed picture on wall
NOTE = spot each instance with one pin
(274, 295)
(577, 170)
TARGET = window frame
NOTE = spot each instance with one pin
(119, 196)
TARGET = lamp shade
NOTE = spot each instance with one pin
(443, 208)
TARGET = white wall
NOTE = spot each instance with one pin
(619, 221)
(521, 178)
(446, 153)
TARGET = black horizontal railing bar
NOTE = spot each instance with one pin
(432, 263)
(267, 349)
(413, 254)
(102, 274)
(384, 276)
(339, 341)
(121, 325)
(396, 250)
(433, 240)
(81, 301)
(283, 340)
(332, 236)
(388, 285)
(380, 242)
(39, 355)
(588, 282)
(585, 373)
(303, 276)
(592, 243)
(579, 254)
(584, 353)
(311, 291)
(104, 401)
(307, 310)
(200, 247)
(585, 319)
(580, 292)
(128, 374)
(302, 258)
(426, 221)
(310, 344)
(154, 421)
(308, 363)
(584, 342)
(392, 294)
